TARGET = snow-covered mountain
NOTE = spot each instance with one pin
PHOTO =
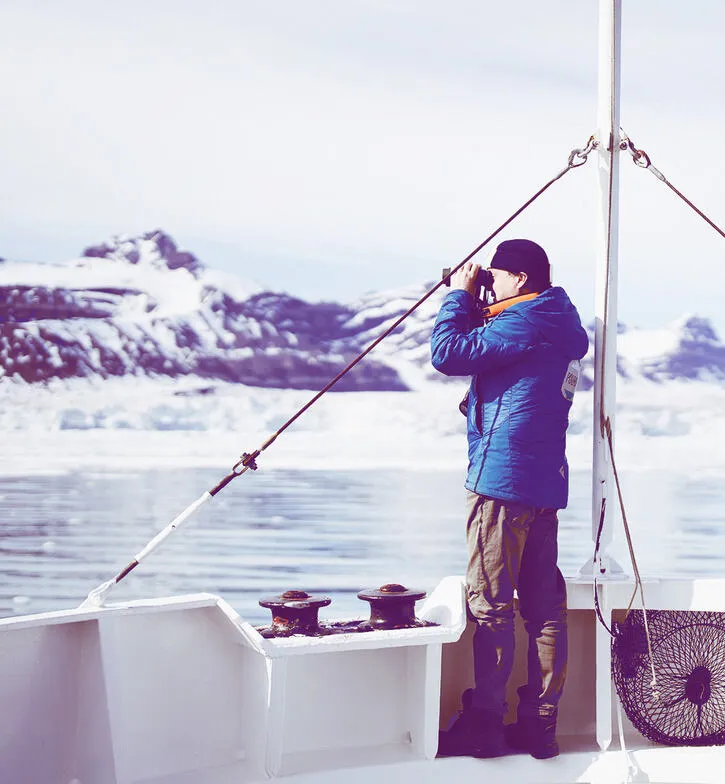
(138, 306)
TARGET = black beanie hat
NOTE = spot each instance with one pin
(524, 256)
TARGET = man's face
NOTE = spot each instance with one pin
(506, 284)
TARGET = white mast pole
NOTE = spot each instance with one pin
(605, 310)
(605, 340)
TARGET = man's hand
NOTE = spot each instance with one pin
(465, 278)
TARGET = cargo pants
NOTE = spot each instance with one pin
(513, 546)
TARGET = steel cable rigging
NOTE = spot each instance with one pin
(577, 157)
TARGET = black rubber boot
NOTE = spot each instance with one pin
(544, 744)
(475, 733)
(534, 730)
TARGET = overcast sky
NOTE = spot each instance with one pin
(332, 148)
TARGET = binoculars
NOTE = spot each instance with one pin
(484, 280)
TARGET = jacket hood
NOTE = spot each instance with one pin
(554, 315)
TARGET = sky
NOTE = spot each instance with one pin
(330, 148)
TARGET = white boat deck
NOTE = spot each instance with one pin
(184, 691)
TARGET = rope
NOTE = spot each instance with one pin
(638, 586)
(577, 157)
(642, 160)
(597, 544)
(637, 578)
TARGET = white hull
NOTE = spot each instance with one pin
(184, 691)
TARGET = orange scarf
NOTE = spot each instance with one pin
(497, 307)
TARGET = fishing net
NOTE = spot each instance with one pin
(686, 706)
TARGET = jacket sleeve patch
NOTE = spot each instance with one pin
(571, 379)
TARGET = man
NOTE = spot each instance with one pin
(524, 365)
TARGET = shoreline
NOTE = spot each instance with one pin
(39, 452)
(139, 424)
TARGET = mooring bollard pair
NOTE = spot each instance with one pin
(392, 606)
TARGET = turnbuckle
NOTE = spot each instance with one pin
(246, 461)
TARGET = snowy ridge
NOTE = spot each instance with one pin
(138, 306)
(407, 347)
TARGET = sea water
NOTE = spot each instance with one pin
(323, 531)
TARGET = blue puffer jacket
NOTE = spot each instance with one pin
(518, 406)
